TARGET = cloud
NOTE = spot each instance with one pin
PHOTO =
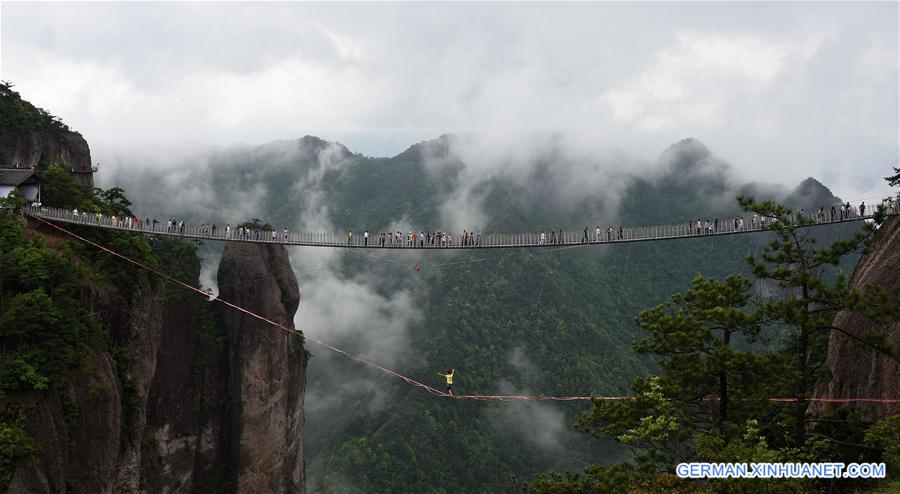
(540, 425)
(546, 171)
(338, 309)
(700, 77)
(783, 90)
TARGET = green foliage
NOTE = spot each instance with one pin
(809, 301)
(696, 334)
(623, 478)
(673, 416)
(16, 448)
(114, 201)
(211, 339)
(19, 117)
(13, 203)
(58, 189)
(885, 435)
(177, 258)
(751, 446)
(131, 401)
(254, 224)
(11, 233)
(42, 341)
(706, 380)
(45, 330)
(894, 180)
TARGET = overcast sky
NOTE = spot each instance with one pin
(781, 91)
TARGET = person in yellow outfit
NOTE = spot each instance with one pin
(449, 377)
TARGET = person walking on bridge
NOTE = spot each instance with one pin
(366, 238)
(449, 377)
(862, 209)
(585, 238)
(349, 236)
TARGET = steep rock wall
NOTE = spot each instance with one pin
(90, 431)
(183, 448)
(858, 370)
(41, 149)
(267, 369)
(190, 401)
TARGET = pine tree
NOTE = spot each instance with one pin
(696, 334)
(808, 301)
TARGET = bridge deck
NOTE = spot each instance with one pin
(488, 241)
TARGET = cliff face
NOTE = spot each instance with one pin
(190, 400)
(857, 370)
(225, 410)
(40, 149)
(90, 431)
(267, 370)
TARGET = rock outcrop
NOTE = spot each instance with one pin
(190, 400)
(40, 149)
(858, 370)
(267, 369)
(90, 432)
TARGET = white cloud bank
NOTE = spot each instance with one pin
(783, 91)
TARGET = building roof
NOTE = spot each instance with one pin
(17, 176)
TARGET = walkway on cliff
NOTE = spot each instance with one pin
(589, 236)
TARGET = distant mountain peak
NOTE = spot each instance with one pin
(690, 158)
(688, 147)
(811, 193)
(315, 145)
(810, 184)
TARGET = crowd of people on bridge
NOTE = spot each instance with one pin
(417, 238)
(473, 238)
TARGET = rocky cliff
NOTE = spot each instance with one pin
(31, 137)
(267, 369)
(40, 149)
(188, 399)
(858, 370)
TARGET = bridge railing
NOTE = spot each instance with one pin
(588, 236)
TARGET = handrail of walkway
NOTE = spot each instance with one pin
(488, 241)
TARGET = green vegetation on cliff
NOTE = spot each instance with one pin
(18, 116)
(60, 300)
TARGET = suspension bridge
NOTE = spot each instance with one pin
(444, 240)
(47, 217)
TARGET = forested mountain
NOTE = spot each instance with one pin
(554, 322)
